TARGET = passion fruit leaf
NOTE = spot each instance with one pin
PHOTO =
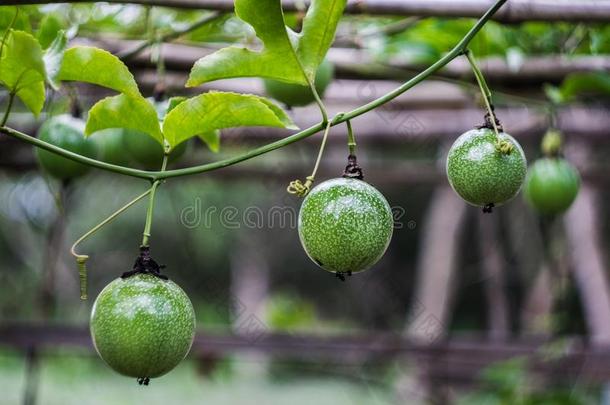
(50, 27)
(123, 111)
(53, 57)
(218, 110)
(211, 139)
(278, 59)
(8, 20)
(22, 69)
(97, 66)
(318, 33)
(174, 102)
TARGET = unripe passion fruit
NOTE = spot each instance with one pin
(112, 146)
(551, 185)
(295, 95)
(147, 151)
(142, 326)
(480, 173)
(345, 225)
(66, 132)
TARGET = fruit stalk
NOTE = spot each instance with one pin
(351, 141)
(151, 204)
(485, 92)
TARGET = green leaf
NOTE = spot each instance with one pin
(218, 110)
(123, 111)
(582, 84)
(22, 69)
(50, 26)
(319, 27)
(277, 60)
(53, 57)
(7, 15)
(97, 66)
(174, 102)
(211, 139)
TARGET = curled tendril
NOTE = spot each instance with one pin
(81, 261)
(504, 147)
(299, 188)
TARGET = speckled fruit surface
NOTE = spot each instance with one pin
(345, 225)
(142, 326)
(66, 132)
(551, 185)
(295, 95)
(482, 175)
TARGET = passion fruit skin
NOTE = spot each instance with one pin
(551, 186)
(142, 326)
(295, 95)
(345, 225)
(66, 132)
(481, 174)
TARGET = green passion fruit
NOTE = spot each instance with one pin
(142, 326)
(296, 95)
(551, 185)
(345, 225)
(481, 173)
(148, 152)
(112, 146)
(66, 132)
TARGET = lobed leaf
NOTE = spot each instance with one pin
(217, 110)
(278, 60)
(97, 66)
(22, 69)
(318, 33)
(124, 111)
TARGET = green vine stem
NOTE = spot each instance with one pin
(81, 260)
(296, 186)
(458, 50)
(151, 204)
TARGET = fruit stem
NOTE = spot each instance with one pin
(485, 92)
(151, 204)
(9, 106)
(81, 260)
(302, 189)
(351, 141)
